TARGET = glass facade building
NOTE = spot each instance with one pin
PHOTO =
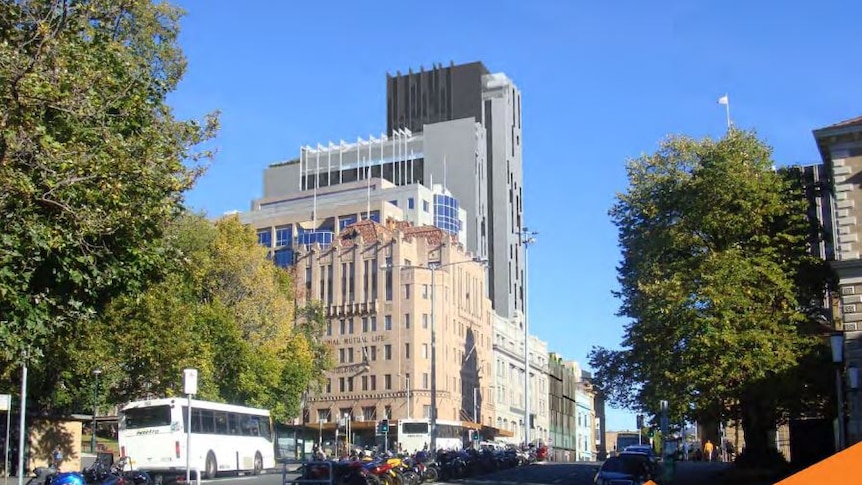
(446, 213)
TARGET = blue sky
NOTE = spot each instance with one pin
(601, 82)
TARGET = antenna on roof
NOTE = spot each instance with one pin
(444, 172)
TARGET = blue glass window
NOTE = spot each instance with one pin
(264, 237)
(324, 238)
(345, 221)
(283, 257)
(394, 202)
(446, 213)
(425, 206)
(411, 204)
(283, 236)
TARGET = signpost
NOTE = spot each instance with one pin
(6, 405)
(190, 388)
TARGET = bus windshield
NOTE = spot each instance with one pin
(138, 418)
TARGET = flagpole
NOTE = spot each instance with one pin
(727, 111)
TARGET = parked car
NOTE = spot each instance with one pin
(627, 468)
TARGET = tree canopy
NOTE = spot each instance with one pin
(226, 310)
(93, 163)
(718, 282)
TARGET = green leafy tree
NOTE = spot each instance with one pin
(718, 283)
(93, 165)
(226, 310)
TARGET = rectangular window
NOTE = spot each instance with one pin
(373, 321)
(329, 386)
(264, 238)
(329, 329)
(350, 326)
(369, 413)
(407, 291)
(411, 204)
(388, 282)
(424, 351)
(351, 282)
(364, 324)
(387, 382)
(364, 383)
(407, 321)
(343, 282)
(323, 415)
(387, 352)
(373, 383)
(343, 326)
(373, 352)
(425, 380)
(340, 356)
(374, 267)
(387, 412)
(406, 351)
(425, 292)
(350, 355)
(349, 384)
(425, 206)
(283, 236)
(387, 322)
(424, 320)
(341, 384)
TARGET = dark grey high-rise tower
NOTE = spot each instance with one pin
(420, 100)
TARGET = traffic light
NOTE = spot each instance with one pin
(383, 427)
(474, 435)
(640, 421)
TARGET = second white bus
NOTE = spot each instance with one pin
(224, 437)
(415, 434)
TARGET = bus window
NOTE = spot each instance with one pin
(414, 428)
(207, 421)
(232, 423)
(264, 428)
(220, 422)
(137, 418)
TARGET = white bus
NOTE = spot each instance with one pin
(415, 434)
(224, 437)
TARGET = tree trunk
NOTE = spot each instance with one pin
(757, 422)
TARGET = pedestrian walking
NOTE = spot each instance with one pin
(708, 448)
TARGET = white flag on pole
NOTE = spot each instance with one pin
(723, 100)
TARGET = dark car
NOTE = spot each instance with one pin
(625, 469)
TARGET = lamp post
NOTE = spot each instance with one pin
(526, 238)
(837, 342)
(433, 267)
(96, 373)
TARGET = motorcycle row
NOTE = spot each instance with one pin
(366, 468)
(99, 473)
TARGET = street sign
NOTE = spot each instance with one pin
(5, 402)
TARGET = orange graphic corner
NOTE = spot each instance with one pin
(838, 468)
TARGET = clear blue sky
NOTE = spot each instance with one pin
(601, 82)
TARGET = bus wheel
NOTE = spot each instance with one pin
(211, 466)
(258, 463)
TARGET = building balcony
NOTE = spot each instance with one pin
(352, 309)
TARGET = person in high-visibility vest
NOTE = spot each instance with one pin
(708, 449)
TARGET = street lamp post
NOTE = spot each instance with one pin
(527, 238)
(837, 342)
(96, 373)
(433, 267)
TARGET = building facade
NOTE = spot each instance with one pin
(425, 101)
(509, 381)
(386, 167)
(840, 148)
(562, 382)
(377, 292)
